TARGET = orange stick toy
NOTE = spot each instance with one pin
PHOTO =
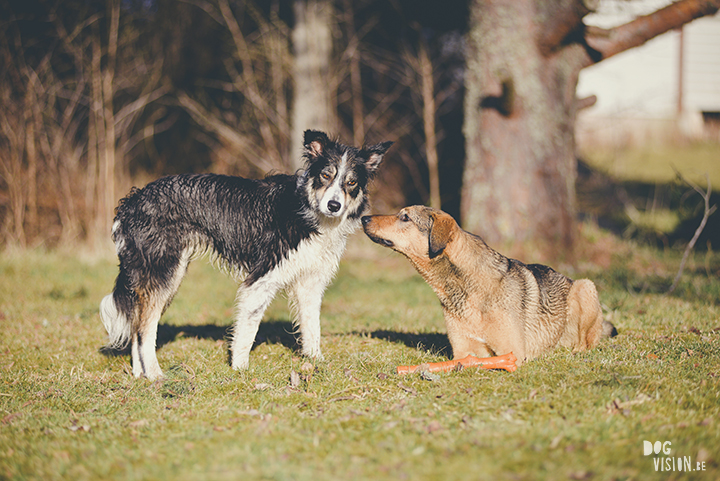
(506, 361)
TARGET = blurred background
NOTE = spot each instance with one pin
(521, 119)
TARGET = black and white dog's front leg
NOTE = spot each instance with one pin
(251, 303)
(306, 296)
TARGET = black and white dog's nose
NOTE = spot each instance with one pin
(333, 206)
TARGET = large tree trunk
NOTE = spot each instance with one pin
(523, 61)
(312, 100)
(519, 181)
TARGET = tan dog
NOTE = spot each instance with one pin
(493, 305)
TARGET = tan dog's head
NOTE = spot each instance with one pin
(418, 232)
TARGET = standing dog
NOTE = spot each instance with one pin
(493, 305)
(282, 232)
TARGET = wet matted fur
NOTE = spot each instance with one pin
(282, 232)
(493, 305)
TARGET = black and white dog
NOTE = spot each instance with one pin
(282, 232)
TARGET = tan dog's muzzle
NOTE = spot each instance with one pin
(373, 224)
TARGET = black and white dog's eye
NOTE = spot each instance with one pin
(351, 183)
(325, 175)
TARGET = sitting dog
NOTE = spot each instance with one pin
(493, 305)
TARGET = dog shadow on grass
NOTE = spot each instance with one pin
(283, 333)
(429, 342)
(271, 332)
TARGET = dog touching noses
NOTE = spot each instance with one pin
(493, 305)
(282, 232)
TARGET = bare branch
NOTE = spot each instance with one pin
(126, 115)
(707, 213)
(229, 135)
(585, 102)
(242, 50)
(207, 8)
(562, 18)
(606, 43)
(150, 130)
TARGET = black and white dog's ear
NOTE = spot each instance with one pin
(373, 154)
(315, 143)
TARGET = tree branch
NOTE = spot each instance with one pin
(707, 213)
(228, 134)
(606, 43)
(562, 18)
(586, 102)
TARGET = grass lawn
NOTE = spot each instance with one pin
(655, 164)
(69, 412)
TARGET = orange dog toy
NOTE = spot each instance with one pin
(506, 361)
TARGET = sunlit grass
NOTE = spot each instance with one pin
(656, 163)
(69, 412)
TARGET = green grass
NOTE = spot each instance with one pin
(69, 412)
(654, 163)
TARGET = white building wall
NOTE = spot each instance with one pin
(637, 90)
(702, 65)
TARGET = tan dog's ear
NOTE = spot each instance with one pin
(441, 233)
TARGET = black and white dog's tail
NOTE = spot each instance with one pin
(116, 309)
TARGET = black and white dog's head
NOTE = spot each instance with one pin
(336, 176)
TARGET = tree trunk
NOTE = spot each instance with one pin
(94, 197)
(519, 179)
(427, 83)
(312, 101)
(32, 163)
(356, 87)
(109, 166)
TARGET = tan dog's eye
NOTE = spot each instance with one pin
(404, 217)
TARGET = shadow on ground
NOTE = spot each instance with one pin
(607, 200)
(428, 342)
(272, 332)
(283, 332)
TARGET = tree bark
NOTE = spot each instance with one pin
(356, 87)
(519, 180)
(108, 94)
(312, 99)
(427, 86)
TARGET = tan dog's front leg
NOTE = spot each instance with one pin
(463, 340)
(503, 334)
(464, 346)
(499, 336)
